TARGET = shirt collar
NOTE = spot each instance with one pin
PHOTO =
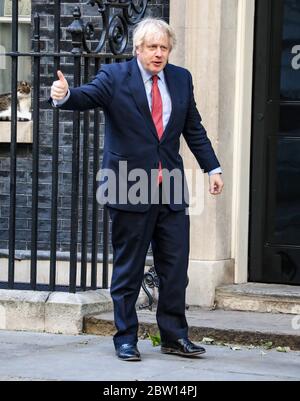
(146, 75)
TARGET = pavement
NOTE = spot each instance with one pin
(29, 356)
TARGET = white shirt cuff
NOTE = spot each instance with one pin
(215, 171)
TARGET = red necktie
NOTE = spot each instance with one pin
(157, 115)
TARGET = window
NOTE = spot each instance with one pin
(24, 130)
(24, 31)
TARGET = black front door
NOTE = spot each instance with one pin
(275, 187)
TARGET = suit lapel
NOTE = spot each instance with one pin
(137, 88)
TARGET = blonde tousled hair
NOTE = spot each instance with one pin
(152, 27)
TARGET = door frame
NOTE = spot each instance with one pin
(242, 138)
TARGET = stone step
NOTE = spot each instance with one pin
(256, 297)
(223, 326)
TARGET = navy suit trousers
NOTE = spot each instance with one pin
(132, 233)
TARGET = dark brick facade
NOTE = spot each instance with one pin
(157, 8)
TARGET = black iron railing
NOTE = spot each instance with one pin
(115, 16)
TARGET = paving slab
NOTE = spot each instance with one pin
(29, 356)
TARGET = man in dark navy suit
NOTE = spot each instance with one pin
(148, 103)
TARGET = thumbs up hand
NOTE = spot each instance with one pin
(59, 89)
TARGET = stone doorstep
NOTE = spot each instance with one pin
(55, 312)
(256, 297)
(232, 327)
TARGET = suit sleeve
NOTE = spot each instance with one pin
(97, 93)
(196, 136)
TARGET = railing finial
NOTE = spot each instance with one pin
(76, 29)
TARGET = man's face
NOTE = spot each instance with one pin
(154, 53)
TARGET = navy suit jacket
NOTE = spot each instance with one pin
(130, 133)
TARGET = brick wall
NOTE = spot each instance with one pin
(157, 8)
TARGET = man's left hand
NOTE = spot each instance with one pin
(216, 184)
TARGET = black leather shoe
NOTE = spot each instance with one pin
(181, 347)
(128, 352)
